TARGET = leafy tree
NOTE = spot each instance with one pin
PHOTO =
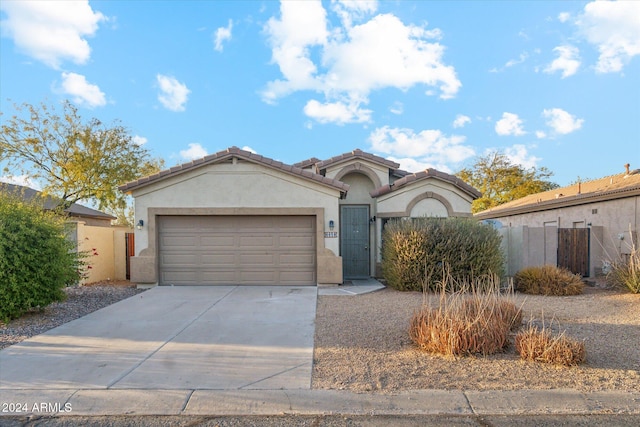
(72, 158)
(501, 181)
(36, 259)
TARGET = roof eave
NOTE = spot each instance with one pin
(566, 201)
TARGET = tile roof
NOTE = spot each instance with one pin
(230, 153)
(359, 154)
(426, 174)
(51, 202)
(306, 163)
(607, 188)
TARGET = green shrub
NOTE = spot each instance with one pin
(548, 280)
(36, 260)
(415, 251)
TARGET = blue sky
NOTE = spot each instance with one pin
(425, 83)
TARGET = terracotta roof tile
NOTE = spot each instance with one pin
(357, 153)
(226, 154)
(428, 173)
(306, 163)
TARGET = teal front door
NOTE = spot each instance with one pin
(354, 241)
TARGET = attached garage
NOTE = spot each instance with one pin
(225, 249)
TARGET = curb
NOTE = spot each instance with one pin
(101, 402)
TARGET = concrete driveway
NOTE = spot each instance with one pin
(223, 337)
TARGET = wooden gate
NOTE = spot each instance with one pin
(130, 251)
(573, 250)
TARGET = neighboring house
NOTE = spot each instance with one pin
(235, 217)
(582, 227)
(91, 230)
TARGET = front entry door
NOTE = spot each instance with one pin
(354, 241)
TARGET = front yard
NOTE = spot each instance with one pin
(362, 344)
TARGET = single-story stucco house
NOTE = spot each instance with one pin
(235, 217)
(582, 227)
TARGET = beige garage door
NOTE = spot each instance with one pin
(249, 250)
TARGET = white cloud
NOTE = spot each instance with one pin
(222, 34)
(139, 140)
(523, 57)
(173, 94)
(353, 10)
(512, 62)
(397, 108)
(51, 31)
(564, 16)
(301, 26)
(249, 149)
(540, 134)
(337, 112)
(561, 122)
(82, 92)
(461, 120)
(195, 151)
(509, 124)
(568, 61)
(428, 147)
(519, 155)
(614, 28)
(418, 165)
(23, 180)
(353, 60)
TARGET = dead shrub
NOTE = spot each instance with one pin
(548, 280)
(466, 322)
(539, 345)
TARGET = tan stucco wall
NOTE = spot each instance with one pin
(378, 174)
(241, 188)
(97, 243)
(614, 218)
(410, 200)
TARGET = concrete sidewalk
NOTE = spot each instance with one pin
(131, 402)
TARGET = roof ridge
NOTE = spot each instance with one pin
(231, 152)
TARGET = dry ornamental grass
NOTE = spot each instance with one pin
(539, 345)
(548, 280)
(465, 324)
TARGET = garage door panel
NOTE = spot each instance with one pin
(300, 222)
(257, 250)
(178, 241)
(295, 241)
(287, 260)
(211, 260)
(256, 242)
(217, 241)
(257, 259)
(178, 260)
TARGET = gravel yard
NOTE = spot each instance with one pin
(81, 300)
(362, 345)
